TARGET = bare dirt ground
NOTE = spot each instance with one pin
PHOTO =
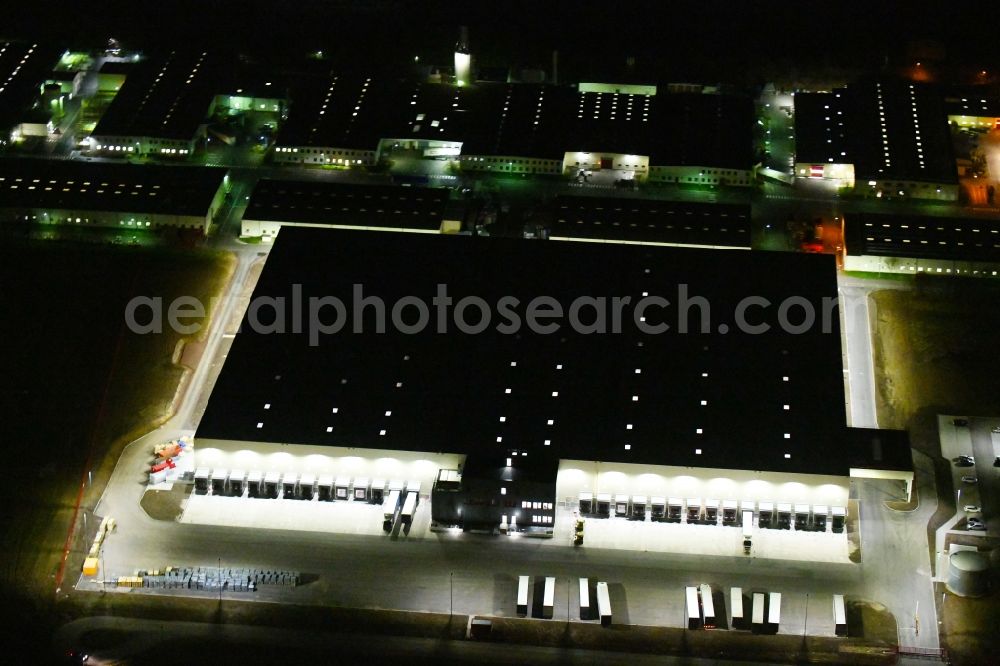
(80, 387)
(936, 352)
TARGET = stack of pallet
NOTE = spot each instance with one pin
(90, 563)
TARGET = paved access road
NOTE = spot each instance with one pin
(186, 642)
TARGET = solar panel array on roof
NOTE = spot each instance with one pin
(960, 239)
(710, 399)
(318, 202)
(71, 185)
(642, 220)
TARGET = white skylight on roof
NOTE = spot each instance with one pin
(329, 428)
(260, 424)
(267, 405)
(381, 432)
(503, 419)
(551, 422)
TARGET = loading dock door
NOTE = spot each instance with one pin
(607, 162)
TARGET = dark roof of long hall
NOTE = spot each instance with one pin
(650, 221)
(71, 185)
(926, 237)
(542, 121)
(23, 67)
(166, 97)
(821, 134)
(321, 202)
(630, 396)
(888, 129)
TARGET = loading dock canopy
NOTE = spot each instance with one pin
(604, 497)
(675, 501)
(657, 501)
(838, 511)
(820, 510)
(586, 496)
(201, 473)
(729, 505)
(237, 475)
(638, 500)
(326, 480)
(397, 484)
(802, 509)
(255, 476)
(766, 507)
(784, 507)
(413, 486)
(693, 503)
(747, 505)
(272, 477)
(307, 479)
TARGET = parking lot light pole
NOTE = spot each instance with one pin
(451, 593)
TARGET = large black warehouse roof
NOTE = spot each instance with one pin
(772, 401)
(30, 184)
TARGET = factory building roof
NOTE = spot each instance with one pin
(973, 101)
(713, 397)
(820, 128)
(650, 221)
(524, 120)
(23, 67)
(70, 185)
(889, 130)
(951, 238)
(317, 202)
(166, 97)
